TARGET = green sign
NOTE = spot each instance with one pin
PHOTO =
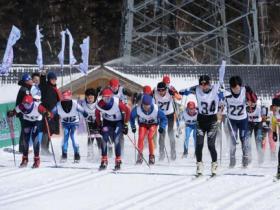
(5, 135)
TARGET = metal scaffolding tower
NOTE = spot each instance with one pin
(190, 31)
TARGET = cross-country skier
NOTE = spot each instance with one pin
(255, 125)
(190, 119)
(164, 98)
(32, 121)
(149, 116)
(236, 99)
(267, 131)
(208, 97)
(68, 110)
(115, 116)
(93, 130)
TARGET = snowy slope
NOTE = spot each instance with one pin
(164, 186)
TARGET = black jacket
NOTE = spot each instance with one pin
(24, 90)
(50, 97)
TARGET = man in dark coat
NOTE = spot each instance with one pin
(25, 86)
(50, 97)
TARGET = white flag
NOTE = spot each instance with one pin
(83, 67)
(39, 59)
(61, 53)
(72, 59)
(9, 55)
(222, 72)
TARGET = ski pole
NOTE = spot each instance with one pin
(12, 133)
(135, 151)
(49, 136)
(166, 154)
(138, 151)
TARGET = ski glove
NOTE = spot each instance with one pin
(133, 130)
(125, 129)
(160, 130)
(85, 114)
(274, 136)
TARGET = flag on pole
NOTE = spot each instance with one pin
(72, 59)
(38, 40)
(222, 72)
(61, 53)
(9, 54)
(83, 67)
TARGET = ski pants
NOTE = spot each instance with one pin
(188, 130)
(32, 130)
(111, 130)
(256, 127)
(241, 127)
(93, 132)
(150, 131)
(170, 130)
(206, 124)
(69, 131)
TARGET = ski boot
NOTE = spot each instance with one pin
(214, 167)
(139, 160)
(77, 157)
(151, 159)
(36, 163)
(104, 163)
(24, 162)
(199, 169)
(63, 157)
(118, 163)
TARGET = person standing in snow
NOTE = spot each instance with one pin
(50, 97)
(208, 96)
(68, 110)
(164, 98)
(25, 84)
(32, 121)
(149, 116)
(115, 115)
(89, 105)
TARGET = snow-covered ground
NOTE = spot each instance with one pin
(163, 186)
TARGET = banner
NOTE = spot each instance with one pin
(72, 59)
(83, 67)
(61, 53)
(5, 137)
(39, 37)
(9, 55)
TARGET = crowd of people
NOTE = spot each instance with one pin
(41, 108)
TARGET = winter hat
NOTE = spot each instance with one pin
(161, 86)
(51, 75)
(166, 79)
(191, 105)
(26, 77)
(107, 92)
(204, 79)
(114, 83)
(66, 95)
(147, 99)
(147, 90)
(27, 99)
